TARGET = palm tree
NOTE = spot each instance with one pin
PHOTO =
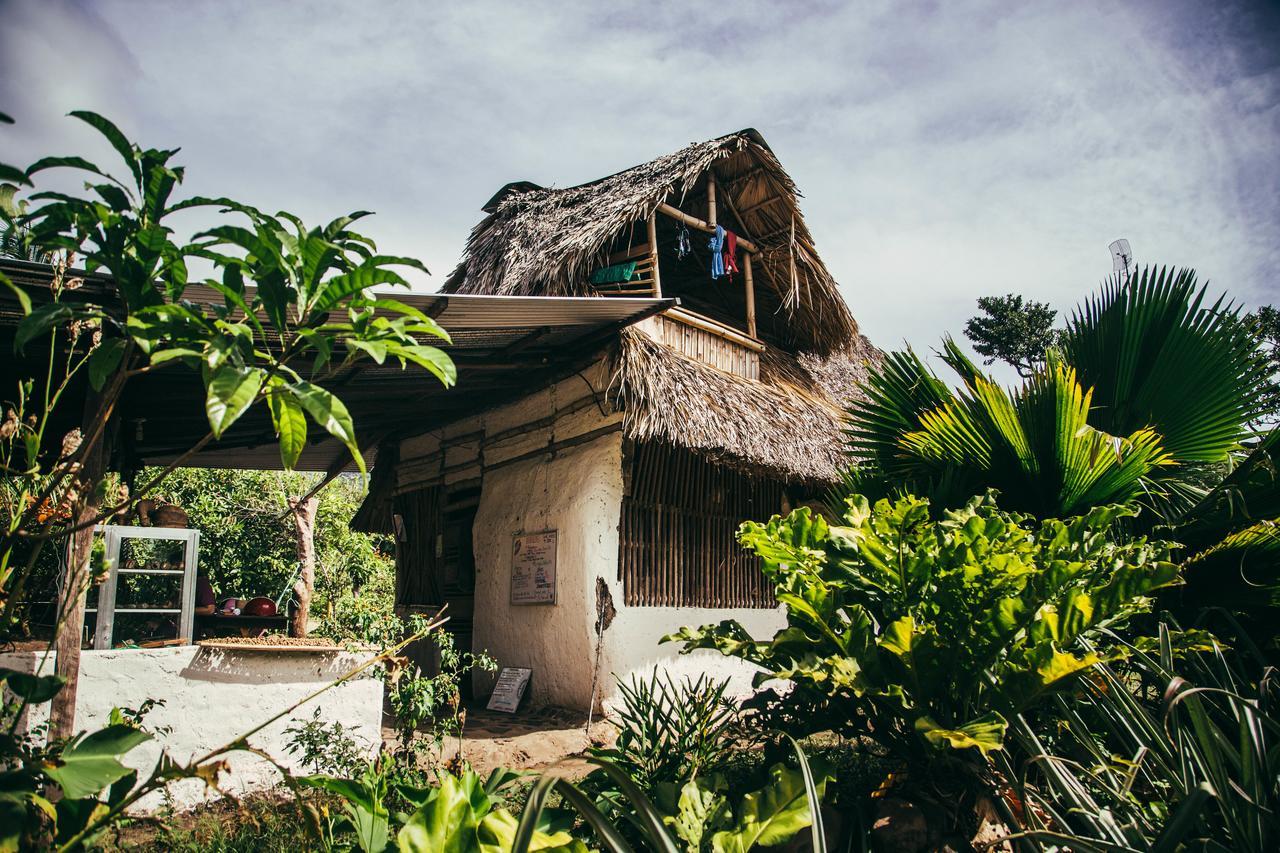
(1147, 399)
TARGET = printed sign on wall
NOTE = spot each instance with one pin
(533, 568)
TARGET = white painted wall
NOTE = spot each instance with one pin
(210, 698)
(578, 492)
(632, 644)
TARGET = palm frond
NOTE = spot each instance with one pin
(1157, 356)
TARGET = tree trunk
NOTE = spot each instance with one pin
(304, 519)
(62, 712)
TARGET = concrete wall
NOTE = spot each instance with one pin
(210, 697)
(578, 492)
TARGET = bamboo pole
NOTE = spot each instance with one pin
(694, 222)
(711, 200)
(652, 226)
(750, 285)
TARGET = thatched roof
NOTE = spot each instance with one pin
(788, 425)
(538, 241)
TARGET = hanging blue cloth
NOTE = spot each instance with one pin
(717, 253)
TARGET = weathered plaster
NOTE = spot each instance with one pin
(577, 491)
(211, 697)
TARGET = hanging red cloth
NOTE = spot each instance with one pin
(730, 253)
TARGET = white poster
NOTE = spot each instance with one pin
(533, 568)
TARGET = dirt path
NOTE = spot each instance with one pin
(547, 739)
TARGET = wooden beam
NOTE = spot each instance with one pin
(437, 308)
(523, 342)
(750, 285)
(652, 227)
(694, 222)
(627, 254)
(773, 199)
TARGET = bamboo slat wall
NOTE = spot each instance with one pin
(417, 580)
(678, 541)
(709, 348)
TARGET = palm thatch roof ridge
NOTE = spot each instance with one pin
(546, 242)
(788, 425)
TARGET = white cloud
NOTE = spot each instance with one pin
(946, 150)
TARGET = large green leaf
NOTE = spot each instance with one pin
(771, 815)
(290, 424)
(104, 360)
(330, 413)
(446, 823)
(231, 391)
(1156, 355)
(91, 762)
(985, 733)
(30, 687)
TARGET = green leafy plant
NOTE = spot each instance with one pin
(928, 635)
(325, 747)
(432, 704)
(1199, 769)
(1103, 418)
(670, 731)
(462, 812)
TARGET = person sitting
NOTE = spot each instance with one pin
(205, 603)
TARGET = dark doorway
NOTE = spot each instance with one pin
(458, 568)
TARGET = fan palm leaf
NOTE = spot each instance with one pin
(1156, 355)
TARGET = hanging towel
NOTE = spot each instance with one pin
(730, 253)
(716, 245)
(615, 274)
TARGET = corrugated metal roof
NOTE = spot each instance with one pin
(504, 347)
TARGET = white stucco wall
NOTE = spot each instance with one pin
(578, 492)
(632, 644)
(211, 697)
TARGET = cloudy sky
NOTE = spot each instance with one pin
(946, 150)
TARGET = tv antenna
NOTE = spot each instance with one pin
(1121, 257)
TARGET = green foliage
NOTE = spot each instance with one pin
(927, 635)
(1013, 330)
(705, 815)
(1106, 421)
(1264, 325)
(433, 703)
(325, 747)
(1200, 769)
(248, 542)
(670, 732)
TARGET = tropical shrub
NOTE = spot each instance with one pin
(1149, 397)
(324, 747)
(670, 731)
(462, 812)
(926, 635)
(428, 709)
(1197, 769)
(1105, 418)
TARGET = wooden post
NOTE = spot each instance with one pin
(304, 518)
(711, 200)
(751, 293)
(652, 226)
(100, 421)
(62, 712)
